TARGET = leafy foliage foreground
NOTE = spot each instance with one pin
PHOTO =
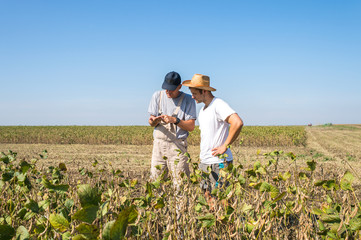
(260, 202)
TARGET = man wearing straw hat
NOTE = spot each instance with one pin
(220, 125)
(172, 114)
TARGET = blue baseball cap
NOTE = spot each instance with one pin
(171, 81)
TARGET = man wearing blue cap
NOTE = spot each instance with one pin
(173, 115)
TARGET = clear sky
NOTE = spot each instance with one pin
(88, 62)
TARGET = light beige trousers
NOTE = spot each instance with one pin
(166, 154)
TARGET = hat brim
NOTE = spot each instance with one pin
(188, 83)
(169, 87)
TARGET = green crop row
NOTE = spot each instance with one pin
(142, 135)
(260, 202)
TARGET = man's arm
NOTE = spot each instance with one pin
(187, 125)
(235, 128)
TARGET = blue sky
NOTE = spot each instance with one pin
(98, 62)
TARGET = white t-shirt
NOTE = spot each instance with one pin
(214, 130)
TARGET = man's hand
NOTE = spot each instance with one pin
(219, 150)
(168, 119)
(154, 121)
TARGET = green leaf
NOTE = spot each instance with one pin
(29, 215)
(319, 183)
(59, 222)
(149, 188)
(241, 179)
(32, 205)
(330, 184)
(269, 188)
(198, 208)
(238, 189)
(7, 176)
(332, 218)
(24, 166)
(311, 165)
(329, 199)
(21, 213)
(166, 236)
(2, 184)
(47, 184)
(133, 214)
(104, 208)
(89, 231)
(250, 227)
(126, 216)
(246, 208)
(332, 235)
(346, 181)
(66, 236)
(69, 203)
(251, 172)
(22, 233)
(133, 183)
(255, 185)
(302, 176)
(215, 191)
(44, 154)
(61, 187)
(44, 204)
(86, 214)
(257, 165)
(279, 197)
(355, 224)
(21, 178)
(106, 230)
(228, 191)
(62, 167)
(208, 220)
(261, 170)
(229, 210)
(346, 185)
(6, 232)
(202, 200)
(291, 155)
(5, 159)
(80, 237)
(317, 211)
(11, 205)
(160, 203)
(285, 176)
(334, 227)
(276, 153)
(88, 195)
(321, 225)
(348, 177)
(156, 184)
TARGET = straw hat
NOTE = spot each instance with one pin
(199, 81)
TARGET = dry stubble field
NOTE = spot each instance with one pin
(336, 149)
